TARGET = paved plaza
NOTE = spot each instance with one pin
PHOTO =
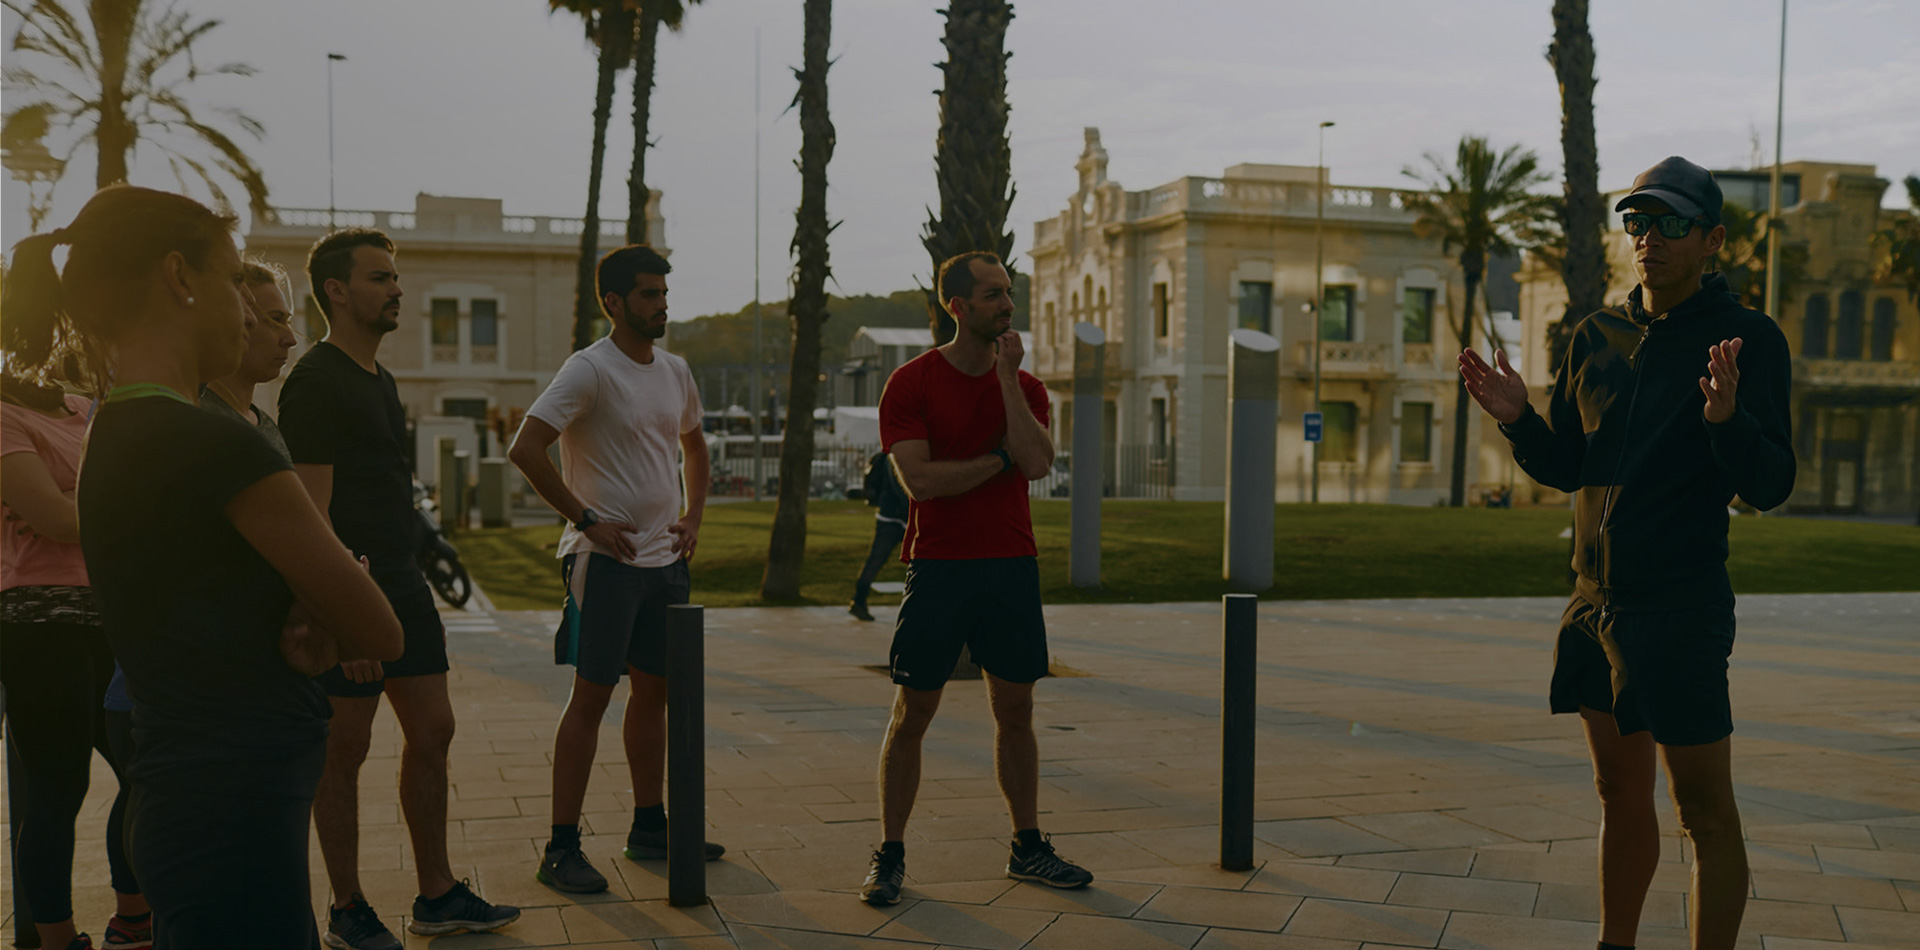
(1412, 790)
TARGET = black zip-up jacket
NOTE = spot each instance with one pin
(1625, 434)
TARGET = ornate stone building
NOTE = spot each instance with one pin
(1168, 272)
(1855, 340)
(488, 312)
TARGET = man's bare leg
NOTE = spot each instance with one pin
(1623, 774)
(913, 711)
(1700, 779)
(336, 800)
(575, 743)
(1016, 753)
(644, 734)
(426, 720)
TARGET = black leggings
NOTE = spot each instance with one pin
(56, 676)
(886, 539)
(223, 849)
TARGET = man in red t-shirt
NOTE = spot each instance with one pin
(958, 421)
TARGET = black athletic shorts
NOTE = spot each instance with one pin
(990, 605)
(425, 652)
(616, 616)
(1664, 671)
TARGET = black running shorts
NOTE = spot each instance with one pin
(425, 649)
(616, 616)
(1662, 671)
(991, 605)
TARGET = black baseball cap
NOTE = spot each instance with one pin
(1679, 184)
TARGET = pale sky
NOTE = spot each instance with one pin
(493, 98)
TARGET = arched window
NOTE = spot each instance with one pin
(1813, 330)
(1847, 330)
(1883, 329)
(1100, 316)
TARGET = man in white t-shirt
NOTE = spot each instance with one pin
(622, 410)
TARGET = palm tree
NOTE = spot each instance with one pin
(1582, 213)
(653, 14)
(788, 548)
(973, 158)
(1900, 242)
(1743, 256)
(609, 26)
(119, 76)
(1480, 206)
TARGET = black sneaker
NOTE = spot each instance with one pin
(1041, 865)
(884, 877)
(860, 611)
(357, 927)
(646, 845)
(459, 909)
(568, 870)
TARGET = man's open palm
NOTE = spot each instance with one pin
(1498, 390)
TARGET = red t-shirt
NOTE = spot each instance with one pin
(960, 417)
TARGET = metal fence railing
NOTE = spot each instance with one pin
(1131, 471)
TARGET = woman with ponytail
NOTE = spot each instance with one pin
(199, 543)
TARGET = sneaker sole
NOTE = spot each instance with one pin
(543, 877)
(1037, 879)
(879, 902)
(450, 926)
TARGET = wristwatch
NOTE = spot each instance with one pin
(587, 520)
(1006, 460)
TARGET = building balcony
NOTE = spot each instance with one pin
(1856, 374)
(1252, 196)
(1345, 360)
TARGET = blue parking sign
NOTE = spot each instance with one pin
(1314, 424)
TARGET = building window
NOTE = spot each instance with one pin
(1336, 317)
(1416, 432)
(1416, 315)
(468, 408)
(1813, 331)
(1058, 330)
(1162, 318)
(1340, 423)
(1883, 330)
(446, 322)
(1803, 439)
(1847, 330)
(1256, 306)
(484, 326)
(1160, 424)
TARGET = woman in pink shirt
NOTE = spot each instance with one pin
(54, 662)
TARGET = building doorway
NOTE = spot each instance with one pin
(1842, 452)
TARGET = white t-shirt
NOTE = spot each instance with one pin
(620, 424)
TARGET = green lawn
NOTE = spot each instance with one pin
(1170, 551)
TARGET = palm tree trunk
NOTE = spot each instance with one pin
(616, 29)
(973, 159)
(1463, 333)
(643, 63)
(1582, 212)
(113, 27)
(808, 309)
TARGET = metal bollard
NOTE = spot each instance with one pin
(1239, 652)
(686, 756)
(1253, 406)
(1087, 465)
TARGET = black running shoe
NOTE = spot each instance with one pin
(860, 611)
(652, 845)
(459, 909)
(357, 927)
(1041, 865)
(569, 870)
(884, 876)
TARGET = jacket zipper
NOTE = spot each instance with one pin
(1606, 500)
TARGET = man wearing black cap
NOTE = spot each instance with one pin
(1665, 409)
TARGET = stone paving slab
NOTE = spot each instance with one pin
(1411, 790)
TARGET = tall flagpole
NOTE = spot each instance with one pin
(759, 370)
(1773, 190)
(331, 59)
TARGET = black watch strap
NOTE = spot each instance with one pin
(1006, 460)
(587, 520)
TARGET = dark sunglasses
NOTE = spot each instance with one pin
(1671, 226)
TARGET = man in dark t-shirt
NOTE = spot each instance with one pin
(341, 414)
(958, 421)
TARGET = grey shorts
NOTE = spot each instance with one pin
(616, 616)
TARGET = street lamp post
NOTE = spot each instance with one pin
(331, 59)
(1773, 188)
(1319, 289)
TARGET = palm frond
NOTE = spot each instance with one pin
(50, 28)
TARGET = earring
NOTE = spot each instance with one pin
(189, 301)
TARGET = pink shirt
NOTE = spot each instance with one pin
(26, 558)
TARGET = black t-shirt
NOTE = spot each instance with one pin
(333, 412)
(192, 611)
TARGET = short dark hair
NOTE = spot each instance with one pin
(332, 259)
(622, 267)
(956, 274)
